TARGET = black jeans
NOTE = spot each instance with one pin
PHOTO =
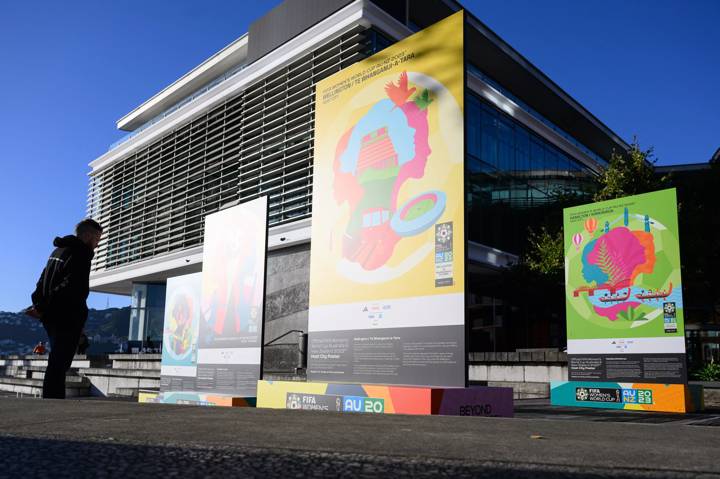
(63, 343)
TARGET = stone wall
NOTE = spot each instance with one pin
(287, 296)
(528, 372)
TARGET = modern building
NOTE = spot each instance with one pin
(697, 185)
(240, 125)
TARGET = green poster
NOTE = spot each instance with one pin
(622, 273)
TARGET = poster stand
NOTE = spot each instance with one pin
(386, 399)
(673, 398)
(194, 399)
(624, 307)
(387, 306)
(213, 330)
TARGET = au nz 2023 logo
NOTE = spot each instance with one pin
(616, 395)
(637, 396)
(363, 404)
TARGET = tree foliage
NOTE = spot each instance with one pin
(545, 252)
(629, 173)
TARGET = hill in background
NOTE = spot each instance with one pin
(107, 329)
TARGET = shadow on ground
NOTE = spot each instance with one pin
(33, 457)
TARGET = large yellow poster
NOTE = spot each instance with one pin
(388, 240)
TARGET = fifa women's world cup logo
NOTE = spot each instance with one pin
(384, 149)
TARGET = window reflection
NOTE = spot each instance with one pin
(514, 178)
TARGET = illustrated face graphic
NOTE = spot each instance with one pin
(626, 275)
(181, 313)
(385, 148)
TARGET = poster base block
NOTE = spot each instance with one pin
(195, 399)
(381, 399)
(677, 398)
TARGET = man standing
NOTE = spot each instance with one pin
(59, 299)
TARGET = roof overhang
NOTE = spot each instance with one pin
(225, 60)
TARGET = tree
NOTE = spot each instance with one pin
(545, 254)
(629, 173)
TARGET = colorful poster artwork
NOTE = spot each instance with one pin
(624, 290)
(388, 241)
(180, 333)
(234, 275)
(232, 298)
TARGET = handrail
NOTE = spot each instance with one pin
(283, 335)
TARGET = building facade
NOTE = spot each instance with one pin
(697, 185)
(240, 125)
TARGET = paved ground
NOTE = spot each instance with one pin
(91, 438)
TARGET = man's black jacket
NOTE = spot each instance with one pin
(63, 286)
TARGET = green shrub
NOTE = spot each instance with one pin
(709, 372)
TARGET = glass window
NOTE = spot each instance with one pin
(513, 174)
(506, 157)
(551, 162)
(147, 312)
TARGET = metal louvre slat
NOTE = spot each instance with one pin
(256, 143)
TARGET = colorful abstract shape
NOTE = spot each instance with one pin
(373, 159)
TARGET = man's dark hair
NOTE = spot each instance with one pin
(88, 226)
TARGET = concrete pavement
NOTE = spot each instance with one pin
(91, 438)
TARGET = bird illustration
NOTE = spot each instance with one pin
(399, 93)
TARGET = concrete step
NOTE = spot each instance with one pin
(33, 387)
(35, 372)
(25, 356)
(134, 357)
(131, 393)
(126, 392)
(155, 365)
(70, 377)
(118, 372)
(522, 390)
(107, 381)
(29, 372)
(79, 361)
(135, 361)
(10, 370)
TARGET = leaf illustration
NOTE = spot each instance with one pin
(605, 263)
(618, 254)
(423, 100)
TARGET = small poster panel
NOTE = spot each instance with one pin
(387, 275)
(232, 299)
(624, 298)
(180, 333)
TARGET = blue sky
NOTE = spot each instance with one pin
(71, 69)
